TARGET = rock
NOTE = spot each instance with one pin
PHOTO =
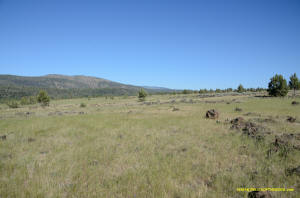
(263, 120)
(184, 149)
(175, 109)
(291, 171)
(287, 140)
(295, 103)
(248, 128)
(252, 114)
(212, 114)
(3, 137)
(291, 119)
(31, 139)
(259, 194)
(238, 109)
(237, 121)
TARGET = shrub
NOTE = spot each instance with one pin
(277, 86)
(228, 90)
(24, 101)
(203, 91)
(32, 100)
(82, 105)
(28, 100)
(142, 95)
(218, 91)
(43, 98)
(12, 104)
(185, 91)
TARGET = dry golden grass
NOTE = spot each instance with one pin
(125, 148)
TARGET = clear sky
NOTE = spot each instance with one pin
(171, 43)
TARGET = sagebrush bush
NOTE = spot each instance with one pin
(28, 100)
(142, 95)
(82, 105)
(43, 98)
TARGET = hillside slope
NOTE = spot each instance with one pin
(62, 86)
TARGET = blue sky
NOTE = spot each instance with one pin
(170, 43)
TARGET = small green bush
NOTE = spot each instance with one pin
(142, 95)
(43, 98)
(32, 100)
(82, 105)
(12, 104)
(24, 101)
(28, 100)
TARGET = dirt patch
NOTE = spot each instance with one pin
(24, 113)
(264, 120)
(212, 114)
(55, 113)
(252, 114)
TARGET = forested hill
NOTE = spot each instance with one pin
(61, 86)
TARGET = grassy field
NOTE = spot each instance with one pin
(124, 148)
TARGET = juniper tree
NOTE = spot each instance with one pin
(43, 98)
(277, 86)
(240, 88)
(142, 95)
(294, 83)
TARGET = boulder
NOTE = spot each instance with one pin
(212, 114)
(291, 171)
(238, 109)
(259, 194)
(3, 137)
(287, 140)
(248, 128)
(291, 119)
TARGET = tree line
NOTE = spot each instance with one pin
(277, 87)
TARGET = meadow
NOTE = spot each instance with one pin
(163, 147)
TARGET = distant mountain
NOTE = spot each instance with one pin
(157, 88)
(62, 86)
(60, 82)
